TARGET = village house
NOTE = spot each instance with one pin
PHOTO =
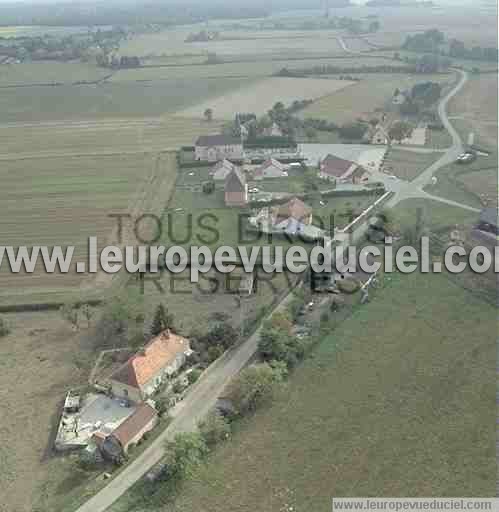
(271, 168)
(144, 372)
(337, 169)
(272, 131)
(115, 446)
(293, 217)
(236, 188)
(211, 148)
(400, 98)
(489, 222)
(221, 170)
(378, 136)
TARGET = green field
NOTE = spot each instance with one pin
(257, 66)
(468, 184)
(50, 73)
(437, 216)
(406, 164)
(363, 98)
(392, 402)
(108, 99)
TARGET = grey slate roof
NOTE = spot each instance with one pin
(217, 140)
(490, 216)
(235, 181)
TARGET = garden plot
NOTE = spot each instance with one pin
(260, 97)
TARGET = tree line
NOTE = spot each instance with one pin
(435, 41)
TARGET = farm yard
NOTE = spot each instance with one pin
(390, 422)
(261, 97)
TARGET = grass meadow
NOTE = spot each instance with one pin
(406, 164)
(50, 73)
(363, 98)
(108, 99)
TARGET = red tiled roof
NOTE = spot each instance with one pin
(157, 354)
(134, 424)
(295, 209)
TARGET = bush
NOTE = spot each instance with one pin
(214, 429)
(4, 328)
(208, 187)
(348, 285)
(193, 376)
(353, 131)
(253, 387)
(184, 454)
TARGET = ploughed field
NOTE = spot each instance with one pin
(68, 200)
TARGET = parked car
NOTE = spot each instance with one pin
(466, 158)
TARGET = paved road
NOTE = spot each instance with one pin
(203, 395)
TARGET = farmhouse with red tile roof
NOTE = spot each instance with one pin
(132, 430)
(141, 375)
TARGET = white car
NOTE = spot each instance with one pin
(392, 177)
(254, 190)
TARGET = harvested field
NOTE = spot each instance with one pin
(41, 359)
(455, 23)
(108, 136)
(364, 97)
(241, 42)
(260, 97)
(69, 200)
(358, 44)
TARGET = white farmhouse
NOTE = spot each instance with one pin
(271, 168)
(221, 170)
(212, 148)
